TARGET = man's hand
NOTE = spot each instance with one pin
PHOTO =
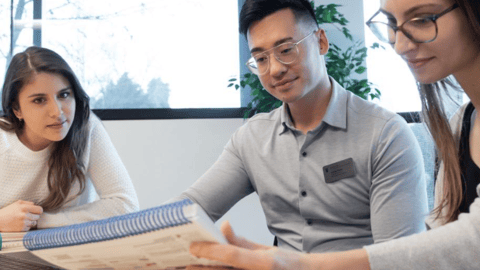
(20, 216)
(243, 254)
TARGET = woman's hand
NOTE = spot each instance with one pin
(20, 216)
(243, 254)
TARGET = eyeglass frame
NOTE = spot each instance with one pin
(395, 28)
(295, 45)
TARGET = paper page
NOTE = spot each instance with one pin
(12, 236)
(155, 250)
(8, 247)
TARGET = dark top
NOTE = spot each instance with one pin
(470, 170)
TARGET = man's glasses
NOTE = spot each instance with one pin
(285, 53)
(419, 30)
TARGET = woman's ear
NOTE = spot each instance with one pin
(17, 112)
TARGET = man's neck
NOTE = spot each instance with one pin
(307, 113)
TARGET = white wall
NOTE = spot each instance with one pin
(164, 157)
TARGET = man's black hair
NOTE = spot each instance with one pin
(256, 10)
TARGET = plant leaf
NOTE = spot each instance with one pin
(360, 70)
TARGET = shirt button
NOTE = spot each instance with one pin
(304, 193)
(304, 154)
(309, 222)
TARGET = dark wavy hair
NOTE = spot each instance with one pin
(256, 10)
(65, 164)
(437, 122)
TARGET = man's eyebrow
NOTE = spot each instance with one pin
(278, 42)
(412, 9)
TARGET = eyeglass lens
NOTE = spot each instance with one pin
(417, 29)
(421, 30)
(285, 53)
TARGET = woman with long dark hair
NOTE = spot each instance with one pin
(438, 39)
(58, 165)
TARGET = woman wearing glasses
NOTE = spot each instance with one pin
(57, 163)
(437, 38)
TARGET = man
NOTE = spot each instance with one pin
(333, 172)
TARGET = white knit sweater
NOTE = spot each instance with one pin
(109, 190)
(455, 245)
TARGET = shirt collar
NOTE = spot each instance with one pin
(336, 114)
(285, 119)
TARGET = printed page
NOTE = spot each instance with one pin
(12, 236)
(12, 242)
(12, 246)
(154, 250)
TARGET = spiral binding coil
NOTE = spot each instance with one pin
(156, 218)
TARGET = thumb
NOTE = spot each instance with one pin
(227, 231)
(238, 241)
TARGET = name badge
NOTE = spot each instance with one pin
(339, 170)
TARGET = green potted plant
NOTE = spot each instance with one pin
(341, 65)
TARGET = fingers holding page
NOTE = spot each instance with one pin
(233, 255)
(244, 254)
(239, 241)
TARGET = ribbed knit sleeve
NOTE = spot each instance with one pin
(453, 246)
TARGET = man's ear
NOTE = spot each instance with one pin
(322, 41)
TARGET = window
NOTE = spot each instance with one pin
(389, 72)
(172, 55)
(135, 54)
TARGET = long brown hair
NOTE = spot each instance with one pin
(436, 120)
(65, 164)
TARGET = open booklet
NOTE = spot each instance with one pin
(154, 238)
(11, 242)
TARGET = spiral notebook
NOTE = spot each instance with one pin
(154, 238)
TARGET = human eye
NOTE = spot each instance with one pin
(38, 100)
(286, 48)
(65, 94)
(421, 21)
(260, 58)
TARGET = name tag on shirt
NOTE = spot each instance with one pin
(339, 170)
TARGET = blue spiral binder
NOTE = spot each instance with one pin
(152, 219)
